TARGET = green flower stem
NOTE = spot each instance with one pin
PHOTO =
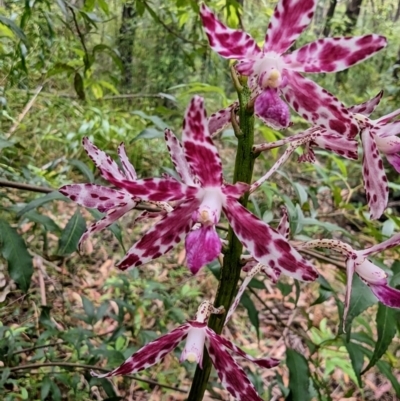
(230, 271)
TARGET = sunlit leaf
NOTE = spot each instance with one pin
(71, 234)
(14, 27)
(55, 195)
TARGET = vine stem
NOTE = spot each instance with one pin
(230, 271)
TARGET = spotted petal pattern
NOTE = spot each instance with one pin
(221, 119)
(368, 107)
(126, 164)
(289, 20)
(334, 54)
(200, 152)
(284, 225)
(162, 237)
(375, 181)
(318, 106)
(387, 295)
(339, 144)
(150, 354)
(389, 243)
(266, 245)
(232, 376)
(229, 43)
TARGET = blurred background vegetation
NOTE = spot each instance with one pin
(123, 71)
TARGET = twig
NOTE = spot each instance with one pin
(87, 367)
(86, 59)
(24, 111)
(38, 263)
(28, 187)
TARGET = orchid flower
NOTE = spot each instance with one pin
(253, 267)
(197, 336)
(357, 262)
(271, 72)
(114, 202)
(202, 196)
(377, 135)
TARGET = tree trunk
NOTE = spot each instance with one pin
(329, 16)
(125, 45)
(397, 15)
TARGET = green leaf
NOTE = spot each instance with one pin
(73, 231)
(252, 312)
(45, 221)
(55, 195)
(83, 168)
(5, 144)
(78, 85)
(45, 390)
(255, 283)
(356, 357)
(14, 27)
(149, 133)
(88, 307)
(361, 299)
(299, 376)
(14, 250)
(385, 323)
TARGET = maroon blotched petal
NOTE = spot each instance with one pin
(375, 181)
(162, 237)
(202, 247)
(387, 295)
(339, 144)
(266, 245)
(318, 106)
(284, 225)
(385, 119)
(106, 165)
(394, 160)
(200, 152)
(229, 43)
(126, 164)
(334, 54)
(236, 190)
(95, 196)
(387, 130)
(290, 19)
(156, 189)
(261, 362)
(111, 217)
(232, 376)
(221, 119)
(272, 110)
(150, 354)
(178, 158)
(389, 243)
(368, 107)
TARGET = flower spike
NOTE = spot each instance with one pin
(197, 336)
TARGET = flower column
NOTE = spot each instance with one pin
(230, 272)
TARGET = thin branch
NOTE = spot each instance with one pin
(87, 367)
(86, 59)
(27, 187)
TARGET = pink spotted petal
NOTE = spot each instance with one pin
(284, 225)
(318, 106)
(385, 119)
(150, 354)
(106, 165)
(387, 295)
(221, 119)
(334, 54)
(202, 247)
(246, 68)
(261, 362)
(111, 217)
(162, 237)
(389, 243)
(232, 376)
(266, 245)
(394, 160)
(229, 43)
(341, 145)
(126, 164)
(95, 196)
(388, 130)
(200, 152)
(290, 19)
(236, 190)
(156, 189)
(272, 110)
(375, 181)
(368, 107)
(178, 158)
